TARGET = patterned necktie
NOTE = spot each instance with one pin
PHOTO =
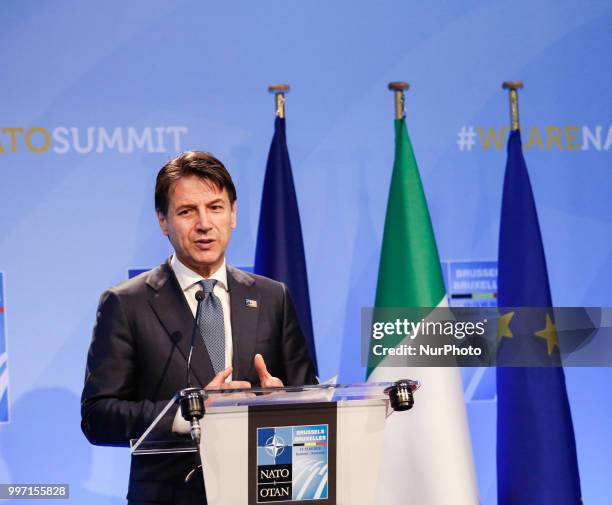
(211, 325)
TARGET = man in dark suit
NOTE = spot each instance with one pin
(247, 330)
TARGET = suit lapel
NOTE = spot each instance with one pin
(244, 315)
(169, 304)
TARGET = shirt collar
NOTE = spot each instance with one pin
(187, 277)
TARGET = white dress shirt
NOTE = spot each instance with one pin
(189, 282)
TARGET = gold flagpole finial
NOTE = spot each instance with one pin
(398, 88)
(279, 91)
(513, 86)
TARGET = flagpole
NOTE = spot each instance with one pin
(279, 91)
(513, 87)
(398, 88)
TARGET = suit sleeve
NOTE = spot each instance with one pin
(111, 414)
(298, 365)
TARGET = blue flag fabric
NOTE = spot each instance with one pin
(280, 248)
(536, 448)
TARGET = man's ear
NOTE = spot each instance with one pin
(233, 220)
(163, 222)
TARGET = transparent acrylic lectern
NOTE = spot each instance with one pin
(319, 445)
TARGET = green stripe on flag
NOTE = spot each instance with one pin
(409, 274)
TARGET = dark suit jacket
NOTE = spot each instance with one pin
(137, 362)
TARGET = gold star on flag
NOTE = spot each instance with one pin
(549, 334)
(503, 326)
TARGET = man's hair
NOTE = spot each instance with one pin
(192, 163)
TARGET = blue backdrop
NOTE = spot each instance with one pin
(95, 97)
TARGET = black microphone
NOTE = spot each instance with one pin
(199, 296)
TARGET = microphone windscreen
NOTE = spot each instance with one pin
(199, 296)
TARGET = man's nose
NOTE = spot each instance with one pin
(203, 222)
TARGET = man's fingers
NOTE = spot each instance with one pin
(237, 385)
(272, 382)
(223, 375)
(260, 367)
(219, 379)
(266, 379)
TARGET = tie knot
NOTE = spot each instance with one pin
(208, 285)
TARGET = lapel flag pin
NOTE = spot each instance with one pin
(251, 303)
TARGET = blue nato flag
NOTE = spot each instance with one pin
(280, 248)
(536, 448)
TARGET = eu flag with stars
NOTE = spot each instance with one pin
(280, 248)
(536, 449)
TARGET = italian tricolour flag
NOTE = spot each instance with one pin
(427, 456)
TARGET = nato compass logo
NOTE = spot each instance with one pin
(4, 413)
(292, 463)
(274, 465)
(275, 446)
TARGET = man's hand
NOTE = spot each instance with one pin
(265, 378)
(219, 381)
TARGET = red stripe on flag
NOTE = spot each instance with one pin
(1, 310)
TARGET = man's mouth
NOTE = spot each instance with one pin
(204, 243)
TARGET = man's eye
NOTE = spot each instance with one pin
(217, 207)
(184, 212)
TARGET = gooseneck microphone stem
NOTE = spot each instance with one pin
(199, 296)
(191, 400)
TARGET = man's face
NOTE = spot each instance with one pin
(199, 223)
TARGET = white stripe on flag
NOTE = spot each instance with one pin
(428, 448)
